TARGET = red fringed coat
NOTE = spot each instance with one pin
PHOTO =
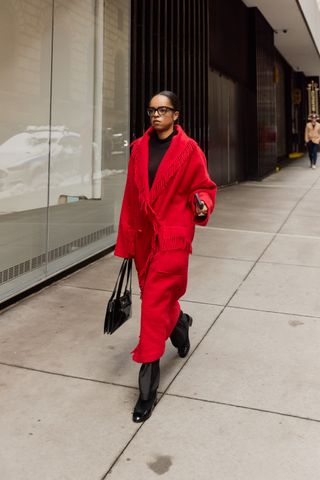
(157, 228)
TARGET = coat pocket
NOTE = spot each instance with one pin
(174, 238)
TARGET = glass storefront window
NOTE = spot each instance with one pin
(64, 134)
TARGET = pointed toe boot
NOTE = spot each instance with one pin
(183, 350)
(149, 378)
(143, 409)
(180, 335)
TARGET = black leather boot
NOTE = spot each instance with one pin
(180, 335)
(149, 377)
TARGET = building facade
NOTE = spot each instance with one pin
(75, 79)
(64, 133)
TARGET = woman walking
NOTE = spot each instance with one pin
(168, 191)
(312, 138)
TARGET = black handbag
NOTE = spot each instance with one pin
(119, 306)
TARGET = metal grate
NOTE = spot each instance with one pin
(37, 262)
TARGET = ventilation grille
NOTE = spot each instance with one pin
(37, 262)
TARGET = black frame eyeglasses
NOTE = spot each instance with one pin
(161, 111)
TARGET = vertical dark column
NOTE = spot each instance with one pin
(137, 82)
(265, 94)
(165, 35)
(195, 70)
(153, 25)
(288, 79)
(187, 38)
(205, 74)
(283, 117)
(300, 110)
(230, 126)
(160, 45)
(289, 120)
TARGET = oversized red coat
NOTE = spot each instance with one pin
(157, 228)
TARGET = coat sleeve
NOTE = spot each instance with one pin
(125, 245)
(201, 184)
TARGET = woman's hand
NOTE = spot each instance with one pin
(202, 212)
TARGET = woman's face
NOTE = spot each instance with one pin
(162, 122)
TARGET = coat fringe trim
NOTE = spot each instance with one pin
(147, 197)
(161, 184)
(143, 192)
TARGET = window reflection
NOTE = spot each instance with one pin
(63, 133)
(7, 45)
(24, 169)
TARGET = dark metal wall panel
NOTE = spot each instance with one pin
(170, 52)
(228, 132)
(286, 127)
(300, 110)
(265, 93)
(281, 113)
(238, 131)
(232, 116)
(229, 38)
(218, 132)
(231, 146)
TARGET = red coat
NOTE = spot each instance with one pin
(161, 220)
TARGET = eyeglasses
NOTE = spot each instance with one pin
(161, 111)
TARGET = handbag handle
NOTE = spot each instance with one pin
(128, 269)
(126, 266)
(129, 275)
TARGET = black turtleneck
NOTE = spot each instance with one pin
(157, 150)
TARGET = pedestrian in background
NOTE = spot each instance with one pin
(157, 223)
(312, 138)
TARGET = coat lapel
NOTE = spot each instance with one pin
(141, 157)
(176, 155)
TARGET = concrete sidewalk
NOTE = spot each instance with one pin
(244, 405)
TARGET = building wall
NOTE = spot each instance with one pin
(281, 117)
(217, 56)
(263, 55)
(242, 61)
(228, 80)
(228, 129)
(64, 133)
(220, 59)
(229, 39)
